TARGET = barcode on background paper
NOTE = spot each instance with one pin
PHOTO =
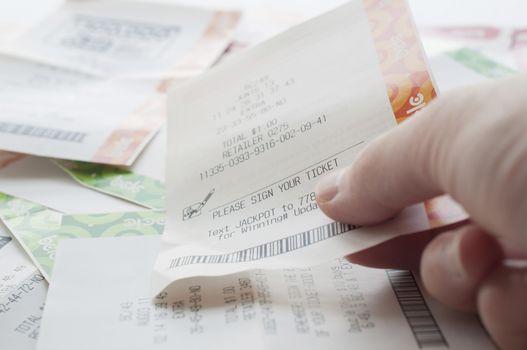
(420, 319)
(4, 241)
(41, 132)
(266, 250)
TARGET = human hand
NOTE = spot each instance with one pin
(472, 145)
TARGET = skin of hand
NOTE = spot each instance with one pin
(472, 145)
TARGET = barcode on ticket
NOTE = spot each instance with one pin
(420, 319)
(41, 132)
(278, 247)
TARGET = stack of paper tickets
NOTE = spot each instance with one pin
(157, 175)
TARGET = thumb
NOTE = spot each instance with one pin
(470, 144)
(502, 306)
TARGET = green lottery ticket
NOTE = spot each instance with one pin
(39, 229)
(117, 182)
(143, 223)
(29, 222)
(480, 63)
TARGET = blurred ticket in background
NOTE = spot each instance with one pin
(63, 92)
(47, 111)
(22, 295)
(249, 140)
(129, 39)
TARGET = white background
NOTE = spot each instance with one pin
(426, 12)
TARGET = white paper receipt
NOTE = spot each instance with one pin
(249, 140)
(333, 306)
(22, 294)
(58, 113)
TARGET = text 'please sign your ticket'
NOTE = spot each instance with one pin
(250, 139)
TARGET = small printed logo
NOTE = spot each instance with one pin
(124, 185)
(137, 223)
(49, 245)
(195, 209)
(417, 102)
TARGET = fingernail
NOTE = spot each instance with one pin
(451, 257)
(328, 187)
